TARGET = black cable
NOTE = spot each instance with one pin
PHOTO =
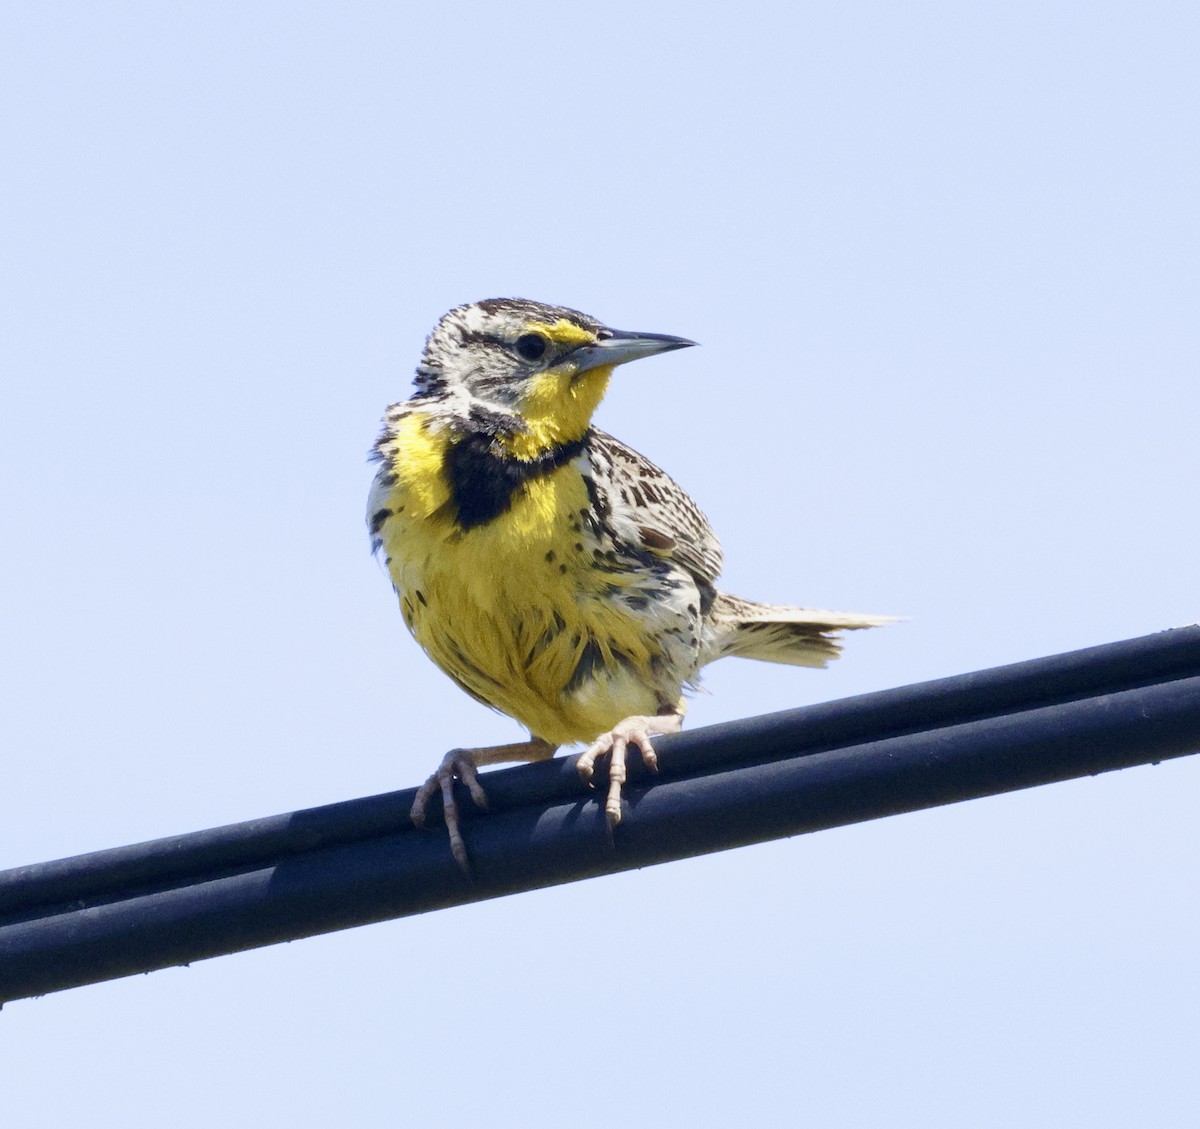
(172, 901)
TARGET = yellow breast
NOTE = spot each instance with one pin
(514, 609)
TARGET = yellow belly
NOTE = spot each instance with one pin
(515, 609)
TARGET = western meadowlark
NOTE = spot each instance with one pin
(554, 573)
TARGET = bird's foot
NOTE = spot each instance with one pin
(456, 764)
(635, 731)
(463, 764)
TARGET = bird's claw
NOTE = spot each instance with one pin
(463, 764)
(457, 764)
(635, 731)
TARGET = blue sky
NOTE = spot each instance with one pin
(944, 264)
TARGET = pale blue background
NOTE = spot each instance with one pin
(943, 261)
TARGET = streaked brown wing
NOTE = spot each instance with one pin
(666, 520)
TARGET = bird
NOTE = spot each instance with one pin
(553, 572)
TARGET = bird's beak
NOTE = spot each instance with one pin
(619, 346)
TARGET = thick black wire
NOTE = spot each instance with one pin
(133, 909)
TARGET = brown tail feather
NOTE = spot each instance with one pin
(781, 634)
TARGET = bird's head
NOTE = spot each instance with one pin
(544, 367)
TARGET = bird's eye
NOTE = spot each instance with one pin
(531, 346)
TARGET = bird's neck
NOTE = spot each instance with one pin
(557, 411)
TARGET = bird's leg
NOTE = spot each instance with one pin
(635, 731)
(463, 763)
